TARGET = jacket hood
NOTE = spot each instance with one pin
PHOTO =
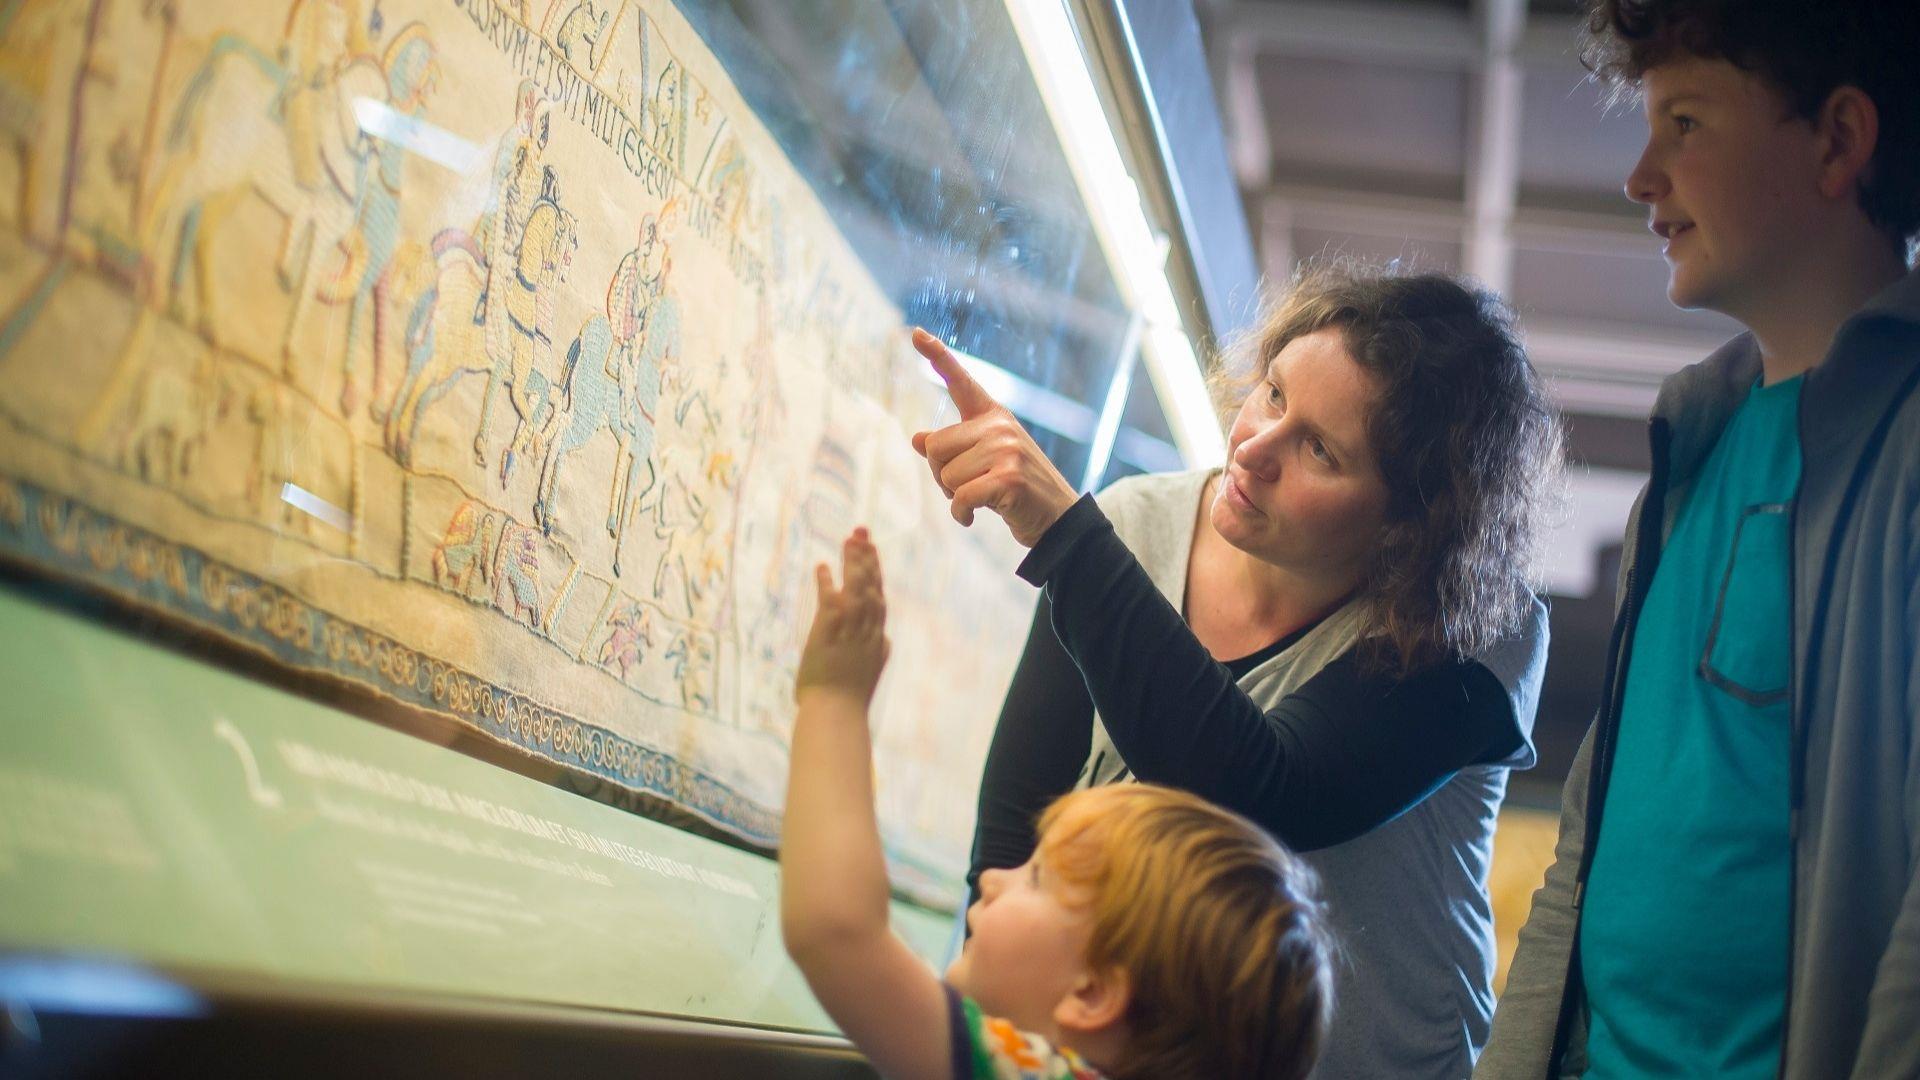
(1697, 400)
(1900, 300)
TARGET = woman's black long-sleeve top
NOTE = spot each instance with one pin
(1350, 749)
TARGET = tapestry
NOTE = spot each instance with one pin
(490, 355)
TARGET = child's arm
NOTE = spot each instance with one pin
(833, 878)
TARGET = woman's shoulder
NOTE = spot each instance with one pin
(1486, 704)
(1522, 653)
(1144, 507)
(1153, 489)
(1153, 515)
(1518, 662)
(1498, 686)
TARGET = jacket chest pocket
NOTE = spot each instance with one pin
(1748, 653)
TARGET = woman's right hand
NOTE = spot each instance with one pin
(987, 460)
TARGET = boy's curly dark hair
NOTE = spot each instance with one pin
(1468, 444)
(1806, 49)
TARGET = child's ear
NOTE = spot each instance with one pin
(1849, 126)
(1097, 1002)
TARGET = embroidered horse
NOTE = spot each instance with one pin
(613, 382)
(447, 338)
(247, 128)
(544, 255)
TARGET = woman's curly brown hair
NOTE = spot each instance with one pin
(1467, 442)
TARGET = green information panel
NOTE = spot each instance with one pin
(154, 808)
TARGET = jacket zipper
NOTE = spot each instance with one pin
(1647, 551)
(1646, 556)
(1796, 741)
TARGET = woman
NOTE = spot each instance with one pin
(1333, 635)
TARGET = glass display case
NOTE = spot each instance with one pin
(419, 418)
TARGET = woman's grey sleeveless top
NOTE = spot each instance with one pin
(1407, 901)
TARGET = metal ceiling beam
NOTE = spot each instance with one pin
(1351, 29)
(1493, 148)
(1624, 351)
(1379, 212)
(1276, 237)
(1248, 142)
(1370, 213)
(1598, 367)
(1608, 369)
(1613, 235)
(1379, 31)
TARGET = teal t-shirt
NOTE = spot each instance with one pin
(1683, 936)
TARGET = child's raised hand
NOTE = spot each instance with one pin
(847, 646)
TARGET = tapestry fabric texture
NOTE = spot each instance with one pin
(492, 357)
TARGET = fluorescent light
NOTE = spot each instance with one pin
(1108, 429)
(1038, 406)
(1146, 453)
(1136, 254)
(1031, 402)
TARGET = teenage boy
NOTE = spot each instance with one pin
(1734, 889)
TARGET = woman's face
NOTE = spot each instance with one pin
(1302, 490)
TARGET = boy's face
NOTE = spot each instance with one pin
(1028, 946)
(1730, 177)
